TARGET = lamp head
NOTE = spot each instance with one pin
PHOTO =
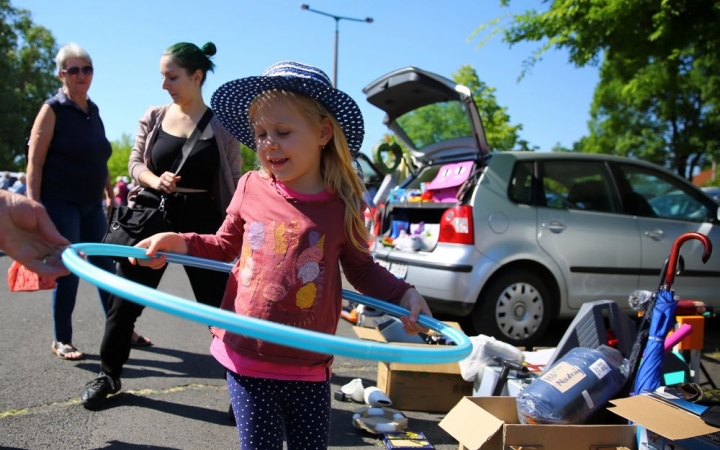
(304, 6)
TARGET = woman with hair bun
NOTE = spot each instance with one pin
(196, 189)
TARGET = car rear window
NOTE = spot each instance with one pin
(435, 123)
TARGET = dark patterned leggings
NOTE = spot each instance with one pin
(268, 410)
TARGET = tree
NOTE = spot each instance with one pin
(27, 69)
(660, 116)
(118, 162)
(442, 121)
(659, 92)
(249, 158)
(501, 136)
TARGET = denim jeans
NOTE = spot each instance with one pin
(77, 223)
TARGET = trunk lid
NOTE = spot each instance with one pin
(409, 93)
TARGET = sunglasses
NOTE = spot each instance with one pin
(73, 71)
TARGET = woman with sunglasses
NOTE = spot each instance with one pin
(67, 172)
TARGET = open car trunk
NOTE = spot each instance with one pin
(405, 214)
(448, 154)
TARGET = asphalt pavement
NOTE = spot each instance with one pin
(173, 395)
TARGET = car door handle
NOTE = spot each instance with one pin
(555, 226)
(655, 235)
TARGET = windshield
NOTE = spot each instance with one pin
(435, 123)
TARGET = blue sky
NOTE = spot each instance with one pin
(126, 39)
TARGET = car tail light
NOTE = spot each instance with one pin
(372, 223)
(456, 226)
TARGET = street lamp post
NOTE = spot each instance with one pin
(337, 24)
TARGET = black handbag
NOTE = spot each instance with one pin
(128, 226)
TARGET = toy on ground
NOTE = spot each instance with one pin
(378, 420)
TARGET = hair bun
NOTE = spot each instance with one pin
(209, 49)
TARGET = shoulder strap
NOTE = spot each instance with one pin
(192, 140)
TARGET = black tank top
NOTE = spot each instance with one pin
(200, 167)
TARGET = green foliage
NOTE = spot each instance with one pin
(659, 80)
(501, 136)
(558, 148)
(118, 162)
(435, 123)
(27, 72)
(249, 158)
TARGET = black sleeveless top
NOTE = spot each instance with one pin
(75, 168)
(200, 167)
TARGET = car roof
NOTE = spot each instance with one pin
(523, 154)
(533, 155)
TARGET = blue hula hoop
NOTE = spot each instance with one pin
(258, 328)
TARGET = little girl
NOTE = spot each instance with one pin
(291, 225)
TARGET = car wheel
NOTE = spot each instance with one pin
(515, 309)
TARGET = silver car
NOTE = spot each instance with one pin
(522, 238)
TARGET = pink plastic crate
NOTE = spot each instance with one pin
(446, 184)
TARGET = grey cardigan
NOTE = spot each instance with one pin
(224, 182)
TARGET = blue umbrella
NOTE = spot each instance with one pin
(662, 317)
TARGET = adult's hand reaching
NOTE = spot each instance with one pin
(28, 235)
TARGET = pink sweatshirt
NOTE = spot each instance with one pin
(288, 272)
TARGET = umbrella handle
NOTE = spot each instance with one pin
(675, 253)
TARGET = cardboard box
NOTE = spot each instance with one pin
(668, 425)
(419, 387)
(491, 423)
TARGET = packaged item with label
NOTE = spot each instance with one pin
(577, 385)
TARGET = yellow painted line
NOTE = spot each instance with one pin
(140, 392)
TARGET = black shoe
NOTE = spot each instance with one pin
(96, 391)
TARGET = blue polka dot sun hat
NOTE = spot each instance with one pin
(230, 101)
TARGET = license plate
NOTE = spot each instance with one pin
(397, 269)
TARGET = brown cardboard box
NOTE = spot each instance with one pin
(419, 387)
(680, 428)
(491, 423)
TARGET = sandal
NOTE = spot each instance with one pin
(62, 350)
(141, 341)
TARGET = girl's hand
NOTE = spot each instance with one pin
(417, 305)
(167, 182)
(161, 242)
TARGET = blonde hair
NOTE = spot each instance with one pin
(336, 166)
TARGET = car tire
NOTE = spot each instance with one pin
(515, 309)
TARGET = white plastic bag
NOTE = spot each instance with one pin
(484, 348)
